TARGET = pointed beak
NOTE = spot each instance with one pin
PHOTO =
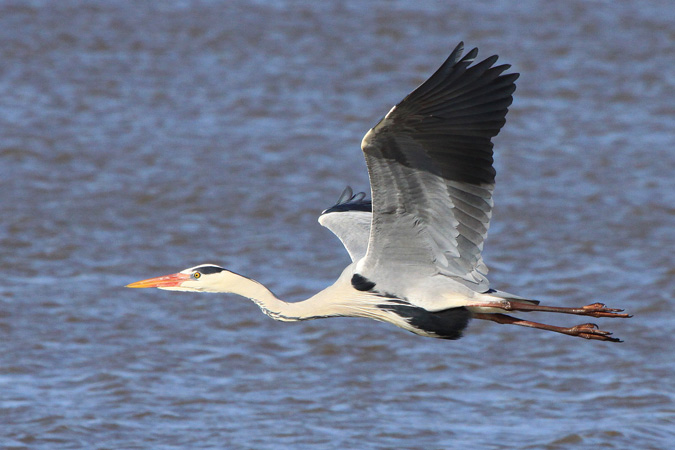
(161, 282)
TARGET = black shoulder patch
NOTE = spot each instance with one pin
(362, 283)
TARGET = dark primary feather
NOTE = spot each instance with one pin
(430, 166)
(349, 201)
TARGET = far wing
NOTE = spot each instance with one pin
(349, 219)
(430, 166)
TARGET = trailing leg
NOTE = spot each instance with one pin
(593, 310)
(586, 330)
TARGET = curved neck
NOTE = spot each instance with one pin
(268, 303)
(332, 301)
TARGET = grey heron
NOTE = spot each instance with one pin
(416, 246)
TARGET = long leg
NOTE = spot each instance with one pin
(586, 330)
(593, 310)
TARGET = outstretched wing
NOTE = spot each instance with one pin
(430, 166)
(349, 219)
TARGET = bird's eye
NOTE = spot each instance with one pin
(197, 275)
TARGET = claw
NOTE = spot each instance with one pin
(599, 338)
(601, 310)
(591, 331)
(585, 326)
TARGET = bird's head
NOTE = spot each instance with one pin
(202, 278)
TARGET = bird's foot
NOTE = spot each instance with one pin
(592, 310)
(586, 330)
(590, 331)
(601, 310)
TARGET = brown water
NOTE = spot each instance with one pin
(141, 138)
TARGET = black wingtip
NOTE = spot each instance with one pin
(346, 195)
(349, 201)
(471, 55)
(456, 54)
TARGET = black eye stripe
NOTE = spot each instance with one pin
(206, 270)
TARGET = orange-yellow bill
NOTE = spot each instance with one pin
(158, 282)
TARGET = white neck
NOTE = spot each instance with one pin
(339, 299)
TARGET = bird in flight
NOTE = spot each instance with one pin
(416, 245)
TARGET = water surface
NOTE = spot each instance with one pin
(141, 138)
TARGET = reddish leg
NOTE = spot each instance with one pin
(586, 330)
(593, 310)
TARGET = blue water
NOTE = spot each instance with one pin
(139, 139)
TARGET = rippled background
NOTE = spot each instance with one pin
(141, 138)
